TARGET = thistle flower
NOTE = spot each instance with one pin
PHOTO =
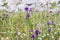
(27, 16)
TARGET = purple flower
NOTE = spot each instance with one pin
(37, 32)
(32, 36)
(49, 30)
(50, 23)
(27, 16)
(26, 8)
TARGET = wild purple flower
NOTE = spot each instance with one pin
(27, 16)
(49, 30)
(37, 32)
(26, 8)
(50, 23)
(32, 36)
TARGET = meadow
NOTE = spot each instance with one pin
(38, 20)
(15, 26)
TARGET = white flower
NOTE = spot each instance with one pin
(58, 28)
(52, 36)
(7, 38)
(24, 34)
(2, 38)
(18, 33)
(55, 32)
(40, 38)
(44, 35)
(47, 34)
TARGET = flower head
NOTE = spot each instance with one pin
(26, 8)
(27, 16)
(49, 30)
(37, 32)
(32, 36)
(50, 22)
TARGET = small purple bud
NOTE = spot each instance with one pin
(49, 30)
(32, 36)
(48, 22)
(52, 23)
(27, 16)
